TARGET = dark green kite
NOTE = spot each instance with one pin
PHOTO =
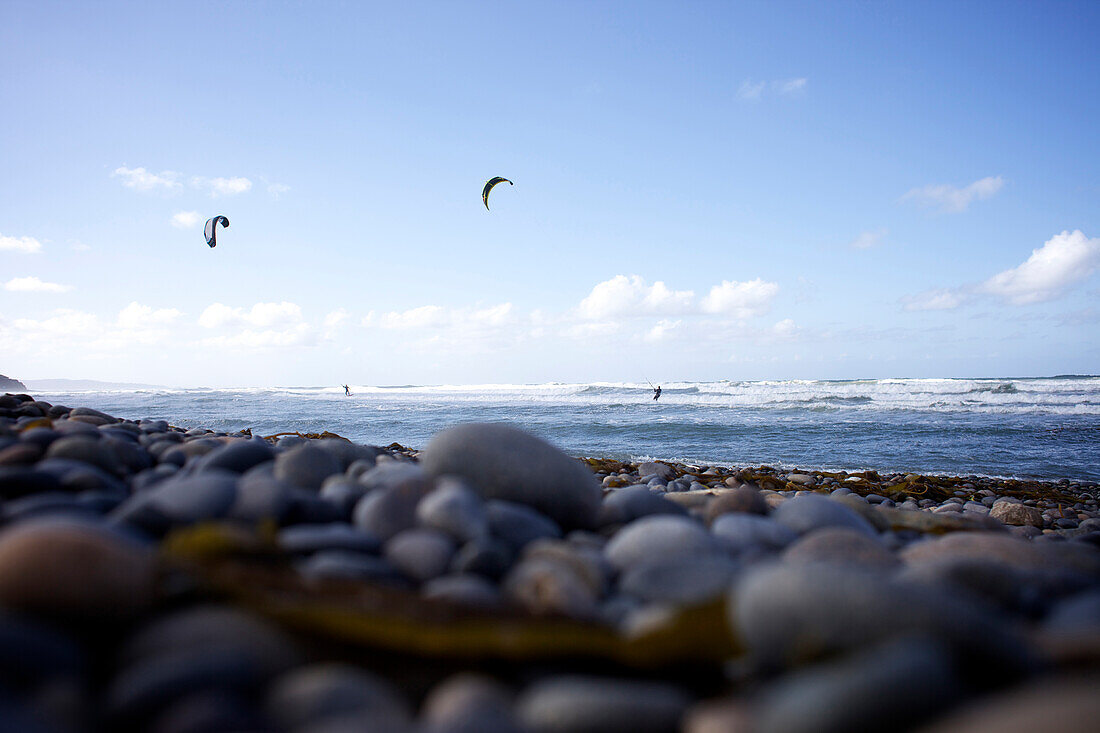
(489, 187)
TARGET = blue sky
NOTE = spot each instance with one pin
(722, 191)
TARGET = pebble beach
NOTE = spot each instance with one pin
(183, 580)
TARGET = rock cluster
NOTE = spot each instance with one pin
(854, 601)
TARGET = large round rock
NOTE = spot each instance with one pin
(503, 462)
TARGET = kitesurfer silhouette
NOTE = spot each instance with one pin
(657, 393)
(347, 391)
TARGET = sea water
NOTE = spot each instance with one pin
(1030, 428)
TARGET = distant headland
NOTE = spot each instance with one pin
(8, 384)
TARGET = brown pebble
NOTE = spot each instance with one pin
(743, 499)
(69, 570)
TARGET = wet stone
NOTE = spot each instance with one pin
(344, 565)
(1016, 514)
(660, 470)
(396, 475)
(505, 463)
(343, 493)
(20, 481)
(489, 557)
(545, 586)
(575, 704)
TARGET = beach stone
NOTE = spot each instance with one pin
(719, 715)
(237, 457)
(1067, 704)
(662, 471)
(211, 627)
(747, 533)
(31, 651)
(659, 538)
(503, 462)
(177, 501)
(681, 582)
(87, 449)
(848, 695)
(1016, 514)
(488, 557)
(1078, 613)
(395, 475)
(49, 502)
(1013, 551)
(789, 614)
(545, 586)
(576, 704)
(307, 466)
(308, 538)
(345, 565)
(455, 508)
(73, 570)
(17, 481)
(421, 553)
(999, 585)
(207, 710)
(463, 588)
(586, 561)
(841, 545)
(21, 454)
(343, 493)
(347, 452)
(517, 524)
(741, 500)
(813, 511)
(633, 502)
(311, 694)
(389, 510)
(469, 703)
(261, 496)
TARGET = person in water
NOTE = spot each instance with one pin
(657, 393)
(347, 391)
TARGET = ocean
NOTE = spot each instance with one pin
(1047, 428)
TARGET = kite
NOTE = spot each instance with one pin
(211, 226)
(489, 187)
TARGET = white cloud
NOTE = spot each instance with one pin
(63, 322)
(137, 316)
(26, 245)
(222, 186)
(786, 328)
(751, 90)
(297, 335)
(140, 179)
(661, 330)
(277, 189)
(866, 240)
(332, 323)
(632, 296)
(754, 90)
(263, 315)
(34, 285)
(937, 299)
(1062, 261)
(951, 199)
(185, 219)
(78, 246)
(740, 299)
(790, 86)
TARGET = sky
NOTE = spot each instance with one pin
(702, 191)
